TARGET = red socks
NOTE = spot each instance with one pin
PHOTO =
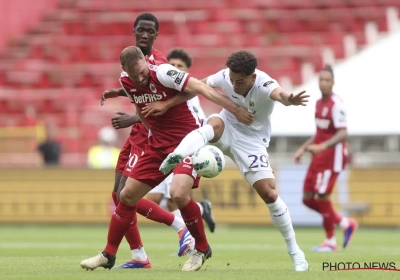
(194, 222)
(312, 203)
(123, 218)
(154, 212)
(328, 214)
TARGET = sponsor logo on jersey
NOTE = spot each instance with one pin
(223, 74)
(235, 97)
(322, 123)
(268, 83)
(146, 98)
(132, 90)
(153, 88)
(172, 73)
(179, 79)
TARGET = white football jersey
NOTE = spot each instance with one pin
(257, 101)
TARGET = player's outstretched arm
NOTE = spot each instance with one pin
(281, 95)
(111, 93)
(159, 108)
(196, 86)
(123, 120)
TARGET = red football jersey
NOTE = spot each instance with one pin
(165, 82)
(157, 57)
(139, 135)
(330, 115)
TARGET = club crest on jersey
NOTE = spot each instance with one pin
(252, 106)
(153, 88)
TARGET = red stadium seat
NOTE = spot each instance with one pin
(80, 59)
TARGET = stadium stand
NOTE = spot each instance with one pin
(61, 63)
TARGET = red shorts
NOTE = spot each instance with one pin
(134, 156)
(123, 157)
(320, 180)
(147, 168)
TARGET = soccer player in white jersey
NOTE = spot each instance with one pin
(257, 92)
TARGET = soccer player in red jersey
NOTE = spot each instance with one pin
(329, 156)
(182, 60)
(145, 82)
(145, 32)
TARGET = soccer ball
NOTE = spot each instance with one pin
(209, 161)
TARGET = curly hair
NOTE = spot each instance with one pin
(148, 17)
(180, 54)
(242, 62)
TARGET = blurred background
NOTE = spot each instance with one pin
(58, 56)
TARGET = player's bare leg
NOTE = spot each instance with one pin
(180, 192)
(280, 217)
(122, 219)
(155, 197)
(198, 138)
(330, 218)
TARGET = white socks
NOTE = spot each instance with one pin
(195, 140)
(139, 254)
(330, 241)
(177, 213)
(344, 223)
(178, 224)
(280, 217)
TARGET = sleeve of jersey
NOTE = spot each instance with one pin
(171, 77)
(216, 80)
(339, 115)
(269, 85)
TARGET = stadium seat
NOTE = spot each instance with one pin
(80, 58)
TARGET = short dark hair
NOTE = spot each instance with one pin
(180, 54)
(130, 56)
(329, 69)
(148, 17)
(242, 62)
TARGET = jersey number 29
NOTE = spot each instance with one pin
(261, 161)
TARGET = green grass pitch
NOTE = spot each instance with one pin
(54, 252)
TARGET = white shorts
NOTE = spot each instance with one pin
(164, 187)
(249, 154)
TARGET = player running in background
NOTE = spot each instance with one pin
(181, 59)
(145, 82)
(246, 145)
(329, 157)
(145, 32)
